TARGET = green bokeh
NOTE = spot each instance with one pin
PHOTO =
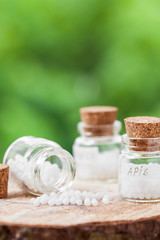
(57, 56)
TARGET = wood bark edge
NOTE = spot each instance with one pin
(146, 230)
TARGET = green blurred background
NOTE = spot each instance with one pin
(57, 56)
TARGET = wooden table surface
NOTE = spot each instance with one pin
(117, 220)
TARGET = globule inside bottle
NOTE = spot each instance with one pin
(139, 169)
(97, 156)
(39, 165)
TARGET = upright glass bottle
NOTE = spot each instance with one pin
(139, 173)
(97, 150)
(40, 165)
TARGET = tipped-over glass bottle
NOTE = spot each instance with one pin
(39, 165)
(139, 173)
(97, 150)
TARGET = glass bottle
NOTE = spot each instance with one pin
(39, 165)
(96, 151)
(139, 171)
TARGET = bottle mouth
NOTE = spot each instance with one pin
(141, 144)
(107, 130)
(53, 170)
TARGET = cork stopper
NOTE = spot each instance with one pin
(143, 131)
(98, 120)
(4, 174)
(98, 115)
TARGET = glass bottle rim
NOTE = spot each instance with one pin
(88, 130)
(25, 138)
(67, 175)
(141, 144)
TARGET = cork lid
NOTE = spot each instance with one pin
(4, 174)
(143, 127)
(98, 115)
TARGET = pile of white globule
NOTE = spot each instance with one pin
(71, 197)
(92, 164)
(140, 181)
(21, 169)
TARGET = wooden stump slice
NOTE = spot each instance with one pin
(118, 220)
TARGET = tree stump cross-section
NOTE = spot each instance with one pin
(115, 221)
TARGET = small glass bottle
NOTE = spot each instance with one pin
(139, 173)
(39, 165)
(97, 150)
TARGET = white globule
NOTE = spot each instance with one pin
(66, 201)
(72, 200)
(77, 193)
(58, 202)
(32, 200)
(94, 202)
(79, 202)
(105, 199)
(36, 202)
(84, 193)
(99, 195)
(43, 200)
(87, 202)
(51, 202)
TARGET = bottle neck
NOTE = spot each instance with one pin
(97, 131)
(146, 145)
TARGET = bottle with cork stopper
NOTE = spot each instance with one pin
(139, 173)
(4, 175)
(97, 150)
